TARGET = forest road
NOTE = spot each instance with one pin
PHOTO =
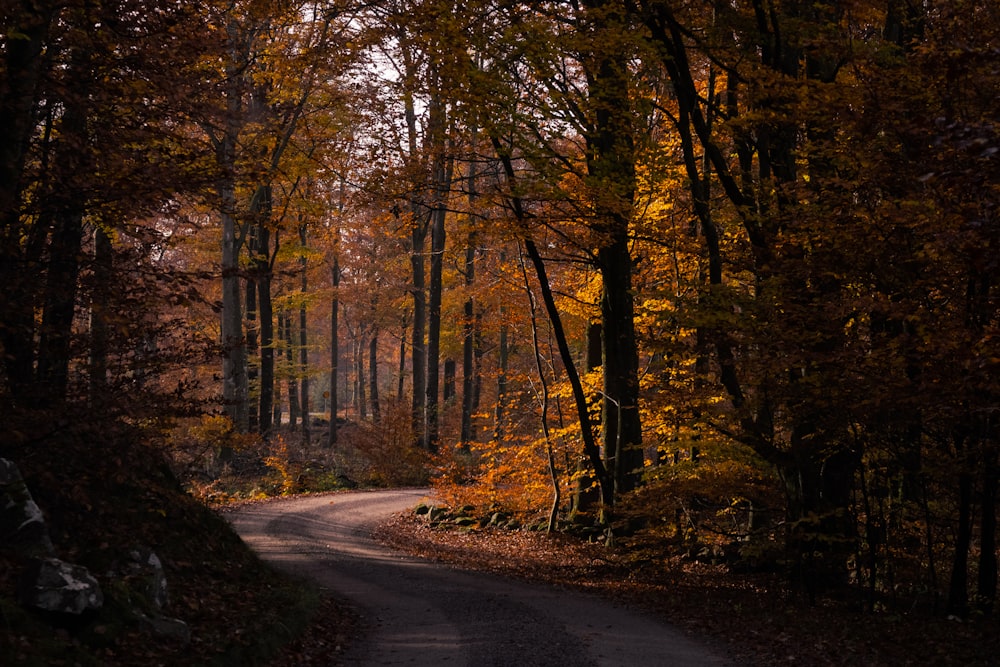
(425, 614)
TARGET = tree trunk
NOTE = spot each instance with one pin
(279, 354)
(401, 376)
(331, 439)
(67, 203)
(253, 349)
(23, 70)
(499, 410)
(958, 585)
(304, 340)
(432, 409)
(987, 584)
(100, 310)
(360, 401)
(544, 401)
(293, 385)
(266, 330)
(611, 172)
(469, 368)
(373, 377)
(234, 353)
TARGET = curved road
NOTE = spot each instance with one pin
(425, 614)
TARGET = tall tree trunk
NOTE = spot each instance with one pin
(266, 329)
(987, 583)
(360, 402)
(67, 203)
(23, 69)
(418, 238)
(373, 377)
(958, 585)
(234, 353)
(279, 354)
(331, 439)
(401, 373)
(543, 399)
(611, 171)
(304, 339)
(503, 351)
(100, 311)
(293, 384)
(253, 347)
(469, 368)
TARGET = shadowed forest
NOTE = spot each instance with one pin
(701, 282)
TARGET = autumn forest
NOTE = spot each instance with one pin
(706, 278)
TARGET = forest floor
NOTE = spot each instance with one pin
(754, 618)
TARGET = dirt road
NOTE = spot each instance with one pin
(424, 614)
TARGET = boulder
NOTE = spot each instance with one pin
(60, 588)
(142, 573)
(22, 525)
(171, 629)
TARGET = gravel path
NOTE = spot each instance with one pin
(425, 614)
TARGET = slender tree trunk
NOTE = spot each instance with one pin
(100, 311)
(266, 330)
(543, 399)
(304, 339)
(987, 583)
(401, 375)
(434, 329)
(293, 384)
(418, 238)
(373, 377)
(469, 369)
(503, 350)
(360, 402)
(253, 348)
(280, 354)
(23, 71)
(234, 353)
(67, 202)
(958, 586)
(331, 439)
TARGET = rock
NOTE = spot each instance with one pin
(143, 575)
(464, 521)
(165, 627)
(61, 588)
(22, 525)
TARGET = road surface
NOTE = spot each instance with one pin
(424, 614)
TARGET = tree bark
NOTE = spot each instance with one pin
(266, 326)
(987, 580)
(293, 385)
(304, 338)
(234, 354)
(373, 377)
(331, 440)
(23, 68)
(100, 310)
